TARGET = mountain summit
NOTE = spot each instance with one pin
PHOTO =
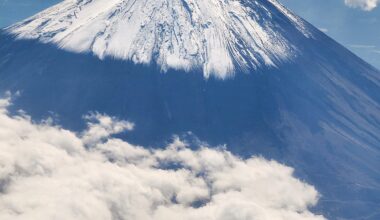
(215, 36)
(248, 75)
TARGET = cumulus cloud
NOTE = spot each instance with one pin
(366, 5)
(47, 172)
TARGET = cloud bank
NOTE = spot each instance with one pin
(47, 172)
(366, 5)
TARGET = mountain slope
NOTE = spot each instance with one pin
(316, 107)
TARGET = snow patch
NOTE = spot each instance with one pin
(213, 35)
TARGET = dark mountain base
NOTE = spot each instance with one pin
(321, 117)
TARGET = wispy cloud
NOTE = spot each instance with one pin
(366, 5)
(47, 172)
(325, 30)
(362, 46)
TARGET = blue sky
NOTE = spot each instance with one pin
(353, 23)
(355, 28)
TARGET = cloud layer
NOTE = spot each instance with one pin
(366, 5)
(47, 172)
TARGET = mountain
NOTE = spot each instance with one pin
(247, 74)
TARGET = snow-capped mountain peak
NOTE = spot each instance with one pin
(215, 36)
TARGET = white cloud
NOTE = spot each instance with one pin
(102, 126)
(362, 46)
(366, 5)
(47, 172)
